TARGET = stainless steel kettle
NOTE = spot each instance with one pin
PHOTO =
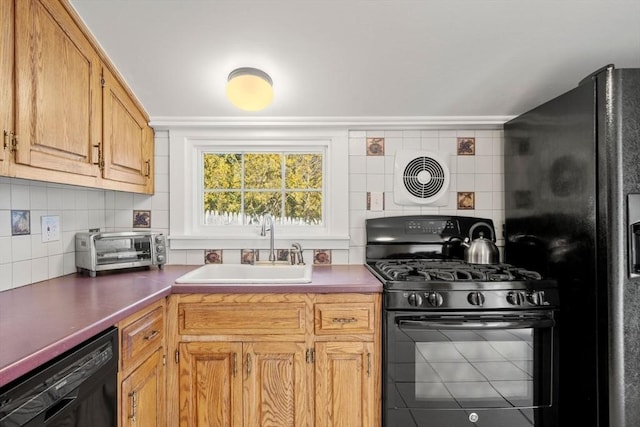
(480, 250)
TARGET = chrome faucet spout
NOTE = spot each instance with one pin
(267, 219)
(296, 251)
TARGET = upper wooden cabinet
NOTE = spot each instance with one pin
(127, 152)
(75, 121)
(58, 91)
(6, 83)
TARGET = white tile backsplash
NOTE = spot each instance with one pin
(5, 196)
(481, 173)
(25, 259)
(21, 273)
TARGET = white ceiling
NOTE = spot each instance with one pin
(355, 59)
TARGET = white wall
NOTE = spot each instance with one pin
(25, 259)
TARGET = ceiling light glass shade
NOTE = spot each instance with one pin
(250, 89)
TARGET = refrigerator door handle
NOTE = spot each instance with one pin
(633, 216)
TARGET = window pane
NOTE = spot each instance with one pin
(263, 170)
(222, 171)
(303, 171)
(304, 207)
(259, 203)
(223, 202)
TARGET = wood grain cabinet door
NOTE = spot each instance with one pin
(142, 395)
(345, 384)
(276, 385)
(210, 384)
(6, 83)
(127, 137)
(58, 94)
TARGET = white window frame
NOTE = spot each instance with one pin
(186, 146)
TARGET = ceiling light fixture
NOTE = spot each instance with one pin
(250, 89)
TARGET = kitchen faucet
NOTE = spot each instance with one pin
(268, 218)
(296, 252)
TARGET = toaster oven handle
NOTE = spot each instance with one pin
(474, 324)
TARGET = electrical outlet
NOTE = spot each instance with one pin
(50, 228)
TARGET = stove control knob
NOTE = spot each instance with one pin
(476, 298)
(536, 298)
(415, 300)
(435, 299)
(515, 298)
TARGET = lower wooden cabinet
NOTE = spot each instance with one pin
(345, 384)
(142, 394)
(294, 360)
(276, 381)
(142, 373)
(236, 384)
(210, 384)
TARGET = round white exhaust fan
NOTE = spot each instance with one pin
(421, 178)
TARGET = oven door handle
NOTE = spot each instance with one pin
(461, 324)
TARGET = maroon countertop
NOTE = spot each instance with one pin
(41, 321)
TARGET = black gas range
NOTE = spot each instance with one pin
(420, 261)
(463, 344)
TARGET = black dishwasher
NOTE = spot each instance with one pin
(76, 389)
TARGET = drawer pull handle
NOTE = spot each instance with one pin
(152, 335)
(235, 364)
(134, 405)
(344, 319)
(369, 365)
(248, 364)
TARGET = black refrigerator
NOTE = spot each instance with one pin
(572, 212)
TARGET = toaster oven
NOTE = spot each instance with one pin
(101, 251)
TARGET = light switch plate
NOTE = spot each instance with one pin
(50, 228)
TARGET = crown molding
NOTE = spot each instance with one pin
(354, 123)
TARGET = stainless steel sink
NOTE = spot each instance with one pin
(261, 273)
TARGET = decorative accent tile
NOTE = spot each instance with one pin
(20, 222)
(213, 256)
(322, 256)
(282, 255)
(141, 219)
(466, 146)
(375, 146)
(466, 200)
(248, 256)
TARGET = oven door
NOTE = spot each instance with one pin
(469, 369)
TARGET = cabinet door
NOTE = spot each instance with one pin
(127, 138)
(142, 394)
(58, 92)
(210, 384)
(276, 385)
(345, 384)
(6, 82)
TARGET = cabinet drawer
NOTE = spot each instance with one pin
(242, 319)
(142, 336)
(354, 318)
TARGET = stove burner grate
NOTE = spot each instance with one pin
(451, 271)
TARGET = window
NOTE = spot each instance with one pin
(231, 178)
(240, 187)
